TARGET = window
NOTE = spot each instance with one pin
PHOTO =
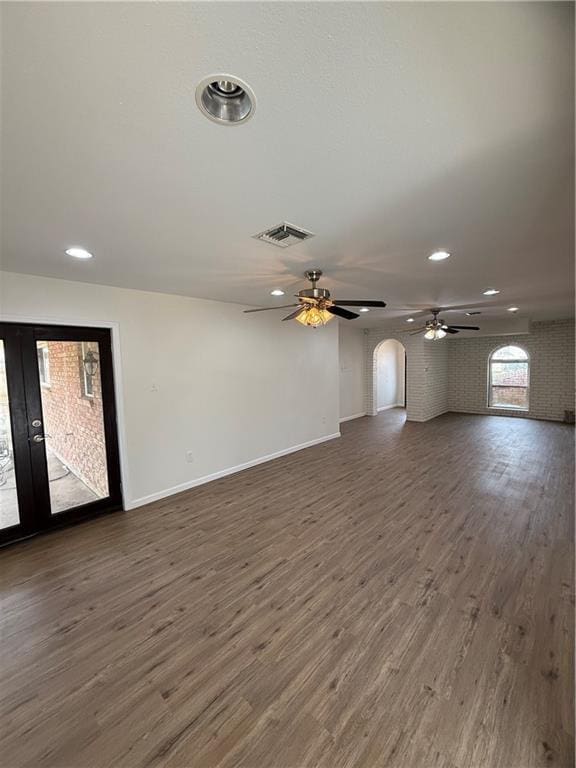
(87, 378)
(508, 378)
(43, 364)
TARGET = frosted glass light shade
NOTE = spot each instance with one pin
(314, 317)
(435, 333)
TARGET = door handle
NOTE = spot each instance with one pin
(40, 438)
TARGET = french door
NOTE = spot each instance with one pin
(58, 439)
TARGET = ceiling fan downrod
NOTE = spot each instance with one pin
(313, 275)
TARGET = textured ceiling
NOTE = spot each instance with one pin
(389, 130)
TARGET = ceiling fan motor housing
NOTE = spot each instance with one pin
(314, 293)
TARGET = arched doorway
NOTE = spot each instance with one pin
(390, 370)
(424, 365)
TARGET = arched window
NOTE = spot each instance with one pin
(509, 378)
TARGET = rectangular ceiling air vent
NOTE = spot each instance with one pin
(284, 235)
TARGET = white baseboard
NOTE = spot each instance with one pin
(387, 407)
(354, 416)
(224, 472)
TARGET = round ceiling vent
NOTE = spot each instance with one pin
(225, 99)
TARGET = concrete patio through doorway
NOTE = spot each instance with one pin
(66, 491)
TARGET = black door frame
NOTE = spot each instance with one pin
(24, 394)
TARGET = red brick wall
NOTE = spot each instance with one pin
(510, 378)
(74, 420)
(514, 396)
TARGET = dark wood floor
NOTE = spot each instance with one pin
(399, 598)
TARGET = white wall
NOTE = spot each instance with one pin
(196, 376)
(390, 373)
(351, 349)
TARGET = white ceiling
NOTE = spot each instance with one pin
(389, 129)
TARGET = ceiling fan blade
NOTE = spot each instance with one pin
(265, 309)
(345, 313)
(294, 314)
(449, 329)
(418, 330)
(465, 327)
(354, 303)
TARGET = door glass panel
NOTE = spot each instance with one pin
(73, 422)
(9, 513)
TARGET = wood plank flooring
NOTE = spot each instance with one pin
(399, 598)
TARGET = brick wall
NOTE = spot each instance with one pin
(435, 373)
(73, 420)
(452, 374)
(550, 346)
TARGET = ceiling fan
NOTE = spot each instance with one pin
(315, 307)
(436, 328)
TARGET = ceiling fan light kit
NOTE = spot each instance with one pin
(435, 333)
(314, 317)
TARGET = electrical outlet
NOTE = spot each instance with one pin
(189, 457)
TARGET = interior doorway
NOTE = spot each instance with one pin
(58, 442)
(390, 375)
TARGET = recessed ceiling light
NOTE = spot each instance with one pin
(491, 292)
(439, 256)
(410, 320)
(79, 253)
(513, 309)
(364, 309)
(276, 292)
(225, 99)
